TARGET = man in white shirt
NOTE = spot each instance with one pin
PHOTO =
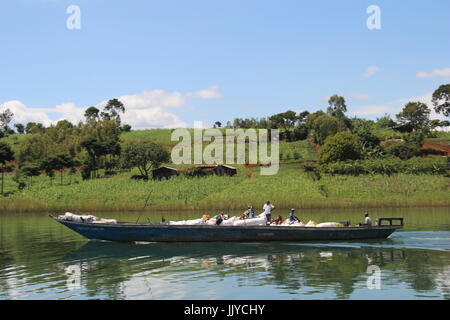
(367, 220)
(268, 207)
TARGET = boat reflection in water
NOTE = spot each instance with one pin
(214, 270)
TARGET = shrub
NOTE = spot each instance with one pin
(388, 166)
(300, 133)
(415, 137)
(432, 151)
(403, 151)
(340, 147)
(297, 155)
(326, 126)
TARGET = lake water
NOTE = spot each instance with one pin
(41, 259)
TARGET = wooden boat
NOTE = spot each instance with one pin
(127, 231)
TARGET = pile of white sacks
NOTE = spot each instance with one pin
(258, 221)
(233, 221)
(85, 219)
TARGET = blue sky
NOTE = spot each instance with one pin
(174, 62)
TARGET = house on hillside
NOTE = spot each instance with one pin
(220, 170)
(164, 172)
(223, 169)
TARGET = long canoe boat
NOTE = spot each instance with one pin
(129, 232)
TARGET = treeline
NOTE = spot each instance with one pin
(88, 147)
(354, 146)
(293, 126)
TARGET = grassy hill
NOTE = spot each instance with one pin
(291, 187)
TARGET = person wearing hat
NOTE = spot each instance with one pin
(250, 212)
(292, 217)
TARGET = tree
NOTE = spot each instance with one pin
(415, 114)
(31, 170)
(48, 165)
(337, 107)
(20, 128)
(144, 156)
(300, 132)
(386, 121)
(5, 118)
(92, 114)
(33, 127)
(325, 126)
(441, 100)
(302, 117)
(363, 129)
(6, 155)
(112, 109)
(62, 161)
(125, 128)
(311, 118)
(341, 147)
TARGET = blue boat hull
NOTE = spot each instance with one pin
(169, 233)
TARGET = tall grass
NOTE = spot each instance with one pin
(291, 187)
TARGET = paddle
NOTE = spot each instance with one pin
(146, 201)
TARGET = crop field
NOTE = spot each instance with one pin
(291, 187)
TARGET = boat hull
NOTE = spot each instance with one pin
(203, 233)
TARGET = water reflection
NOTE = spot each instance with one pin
(40, 259)
(118, 271)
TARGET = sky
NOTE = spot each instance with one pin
(176, 62)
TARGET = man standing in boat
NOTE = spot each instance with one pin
(268, 207)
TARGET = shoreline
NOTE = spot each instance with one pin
(333, 205)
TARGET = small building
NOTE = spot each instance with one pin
(223, 169)
(164, 172)
(202, 170)
(220, 170)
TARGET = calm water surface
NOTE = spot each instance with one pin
(41, 259)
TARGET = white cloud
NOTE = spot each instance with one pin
(148, 109)
(442, 73)
(23, 114)
(394, 107)
(210, 93)
(370, 71)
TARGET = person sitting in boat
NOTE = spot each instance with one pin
(243, 216)
(221, 217)
(292, 217)
(367, 221)
(278, 220)
(250, 212)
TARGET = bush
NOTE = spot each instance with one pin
(432, 151)
(297, 155)
(415, 137)
(300, 133)
(403, 151)
(341, 147)
(388, 166)
(326, 126)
